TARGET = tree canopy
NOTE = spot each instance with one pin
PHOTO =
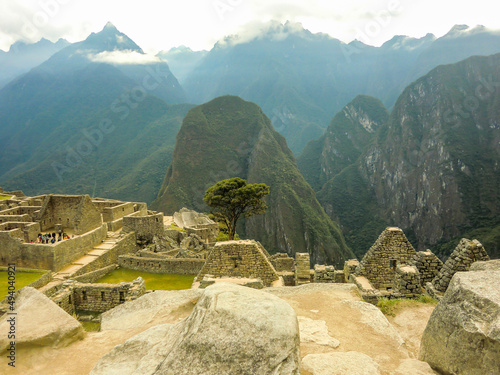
(231, 198)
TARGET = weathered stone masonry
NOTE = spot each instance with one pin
(244, 259)
(379, 264)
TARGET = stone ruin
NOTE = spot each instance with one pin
(75, 297)
(380, 263)
(244, 259)
(466, 253)
(196, 223)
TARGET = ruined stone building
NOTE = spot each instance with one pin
(390, 250)
(239, 259)
(465, 254)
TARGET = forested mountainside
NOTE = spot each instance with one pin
(432, 169)
(78, 125)
(230, 137)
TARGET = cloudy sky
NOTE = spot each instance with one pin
(162, 24)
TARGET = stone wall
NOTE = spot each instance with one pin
(12, 250)
(71, 211)
(64, 299)
(75, 296)
(407, 281)
(328, 274)
(145, 227)
(302, 270)
(324, 274)
(177, 266)
(92, 277)
(379, 264)
(67, 251)
(350, 268)
(48, 256)
(104, 297)
(110, 214)
(244, 259)
(7, 218)
(466, 253)
(282, 262)
(428, 265)
(29, 230)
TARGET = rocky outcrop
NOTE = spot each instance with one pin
(463, 335)
(39, 322)
(373, 318)
(232, 329)
(316, 331)
(352, 363)
(146, 309)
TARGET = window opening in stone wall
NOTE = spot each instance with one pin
(122, 297)
(102, 296)
(393, 264)
(84, 295)
(69, 299)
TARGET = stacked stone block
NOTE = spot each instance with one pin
(324, 274)
(379, 264)
(282, 262)
(407, 281)
(428, 265)
(244, 259)
(350, 268)
(466, 253)
(302, 271)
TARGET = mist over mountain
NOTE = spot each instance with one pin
(91, 119)
(182, 61)
(230, 137)
(301, 79)
(21, 57)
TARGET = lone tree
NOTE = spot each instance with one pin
(233, 197)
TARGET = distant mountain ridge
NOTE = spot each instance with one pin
(21, 57)
(75, 125)
(301, 79)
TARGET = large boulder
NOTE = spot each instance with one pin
(231, 330)
(148, 309)
(463, 332)
(39, 322)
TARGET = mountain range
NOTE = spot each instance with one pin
(91, 119)
(383, 135)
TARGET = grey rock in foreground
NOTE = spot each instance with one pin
(463, 332)
(352, 363)
(39, 322)
(232, 330)
(146, 309)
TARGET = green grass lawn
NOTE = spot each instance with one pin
(2, 197)
(22, 279)
(154, 281)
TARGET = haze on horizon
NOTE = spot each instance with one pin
(160, 25)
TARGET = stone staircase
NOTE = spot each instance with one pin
(68, 271)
